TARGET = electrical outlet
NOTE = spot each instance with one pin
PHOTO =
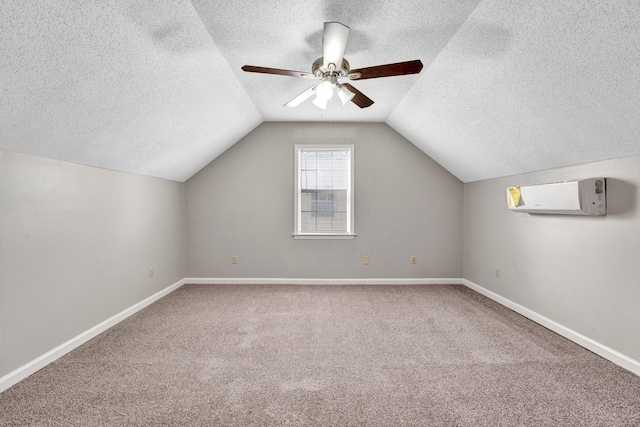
(413, 260)
(151, 272)
(497, 271)
(366, 260)
(234, 259)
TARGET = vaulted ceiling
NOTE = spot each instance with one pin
(156, 88)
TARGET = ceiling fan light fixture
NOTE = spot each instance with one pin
(324, 90)
(345, 95)
(320, 102)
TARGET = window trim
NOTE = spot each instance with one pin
(350, 233)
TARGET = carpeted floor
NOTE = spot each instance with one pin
(329, 356)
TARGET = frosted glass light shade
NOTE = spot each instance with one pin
(320, 102)
(324, 90)
(345, 95)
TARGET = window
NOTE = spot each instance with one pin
(324, 192)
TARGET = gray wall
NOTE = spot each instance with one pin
(76, 243)
(405, 204)
(582, 272)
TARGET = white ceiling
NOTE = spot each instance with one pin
(155, 88)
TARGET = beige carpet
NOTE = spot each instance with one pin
(326, 355)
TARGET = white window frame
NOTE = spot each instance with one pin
(350, 233)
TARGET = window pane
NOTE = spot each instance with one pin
(324, 201)
(308, 180)
(340, 180)
(324, 160)
(324, 223)
(307, 221)
(340, 160)
(324, 180)
(308, 160)
(340, 201)
(340, 222)
(306, 201)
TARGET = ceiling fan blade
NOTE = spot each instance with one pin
(387, 70)
(360, 99)
(301, 98)
(334, 42)
(266, 70)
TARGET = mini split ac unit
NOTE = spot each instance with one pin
(582, 197)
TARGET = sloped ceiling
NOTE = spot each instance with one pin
(136, 86)
(155, 88)
(530, 85)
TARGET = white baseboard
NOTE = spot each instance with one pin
(584, 341)
(24, 371)
(35, 365)
(282, 281)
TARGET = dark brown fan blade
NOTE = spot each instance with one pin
(265, 70)
(388, 70)
(360, 99)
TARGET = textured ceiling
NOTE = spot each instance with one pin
(289, 35)
(137, 86)
(530, 85)
(156, 88)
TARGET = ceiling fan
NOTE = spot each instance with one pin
(326, 69)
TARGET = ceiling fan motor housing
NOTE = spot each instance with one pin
(320, 71)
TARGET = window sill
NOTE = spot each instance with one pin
(323, 236)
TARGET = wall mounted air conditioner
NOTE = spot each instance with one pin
(582, 197)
